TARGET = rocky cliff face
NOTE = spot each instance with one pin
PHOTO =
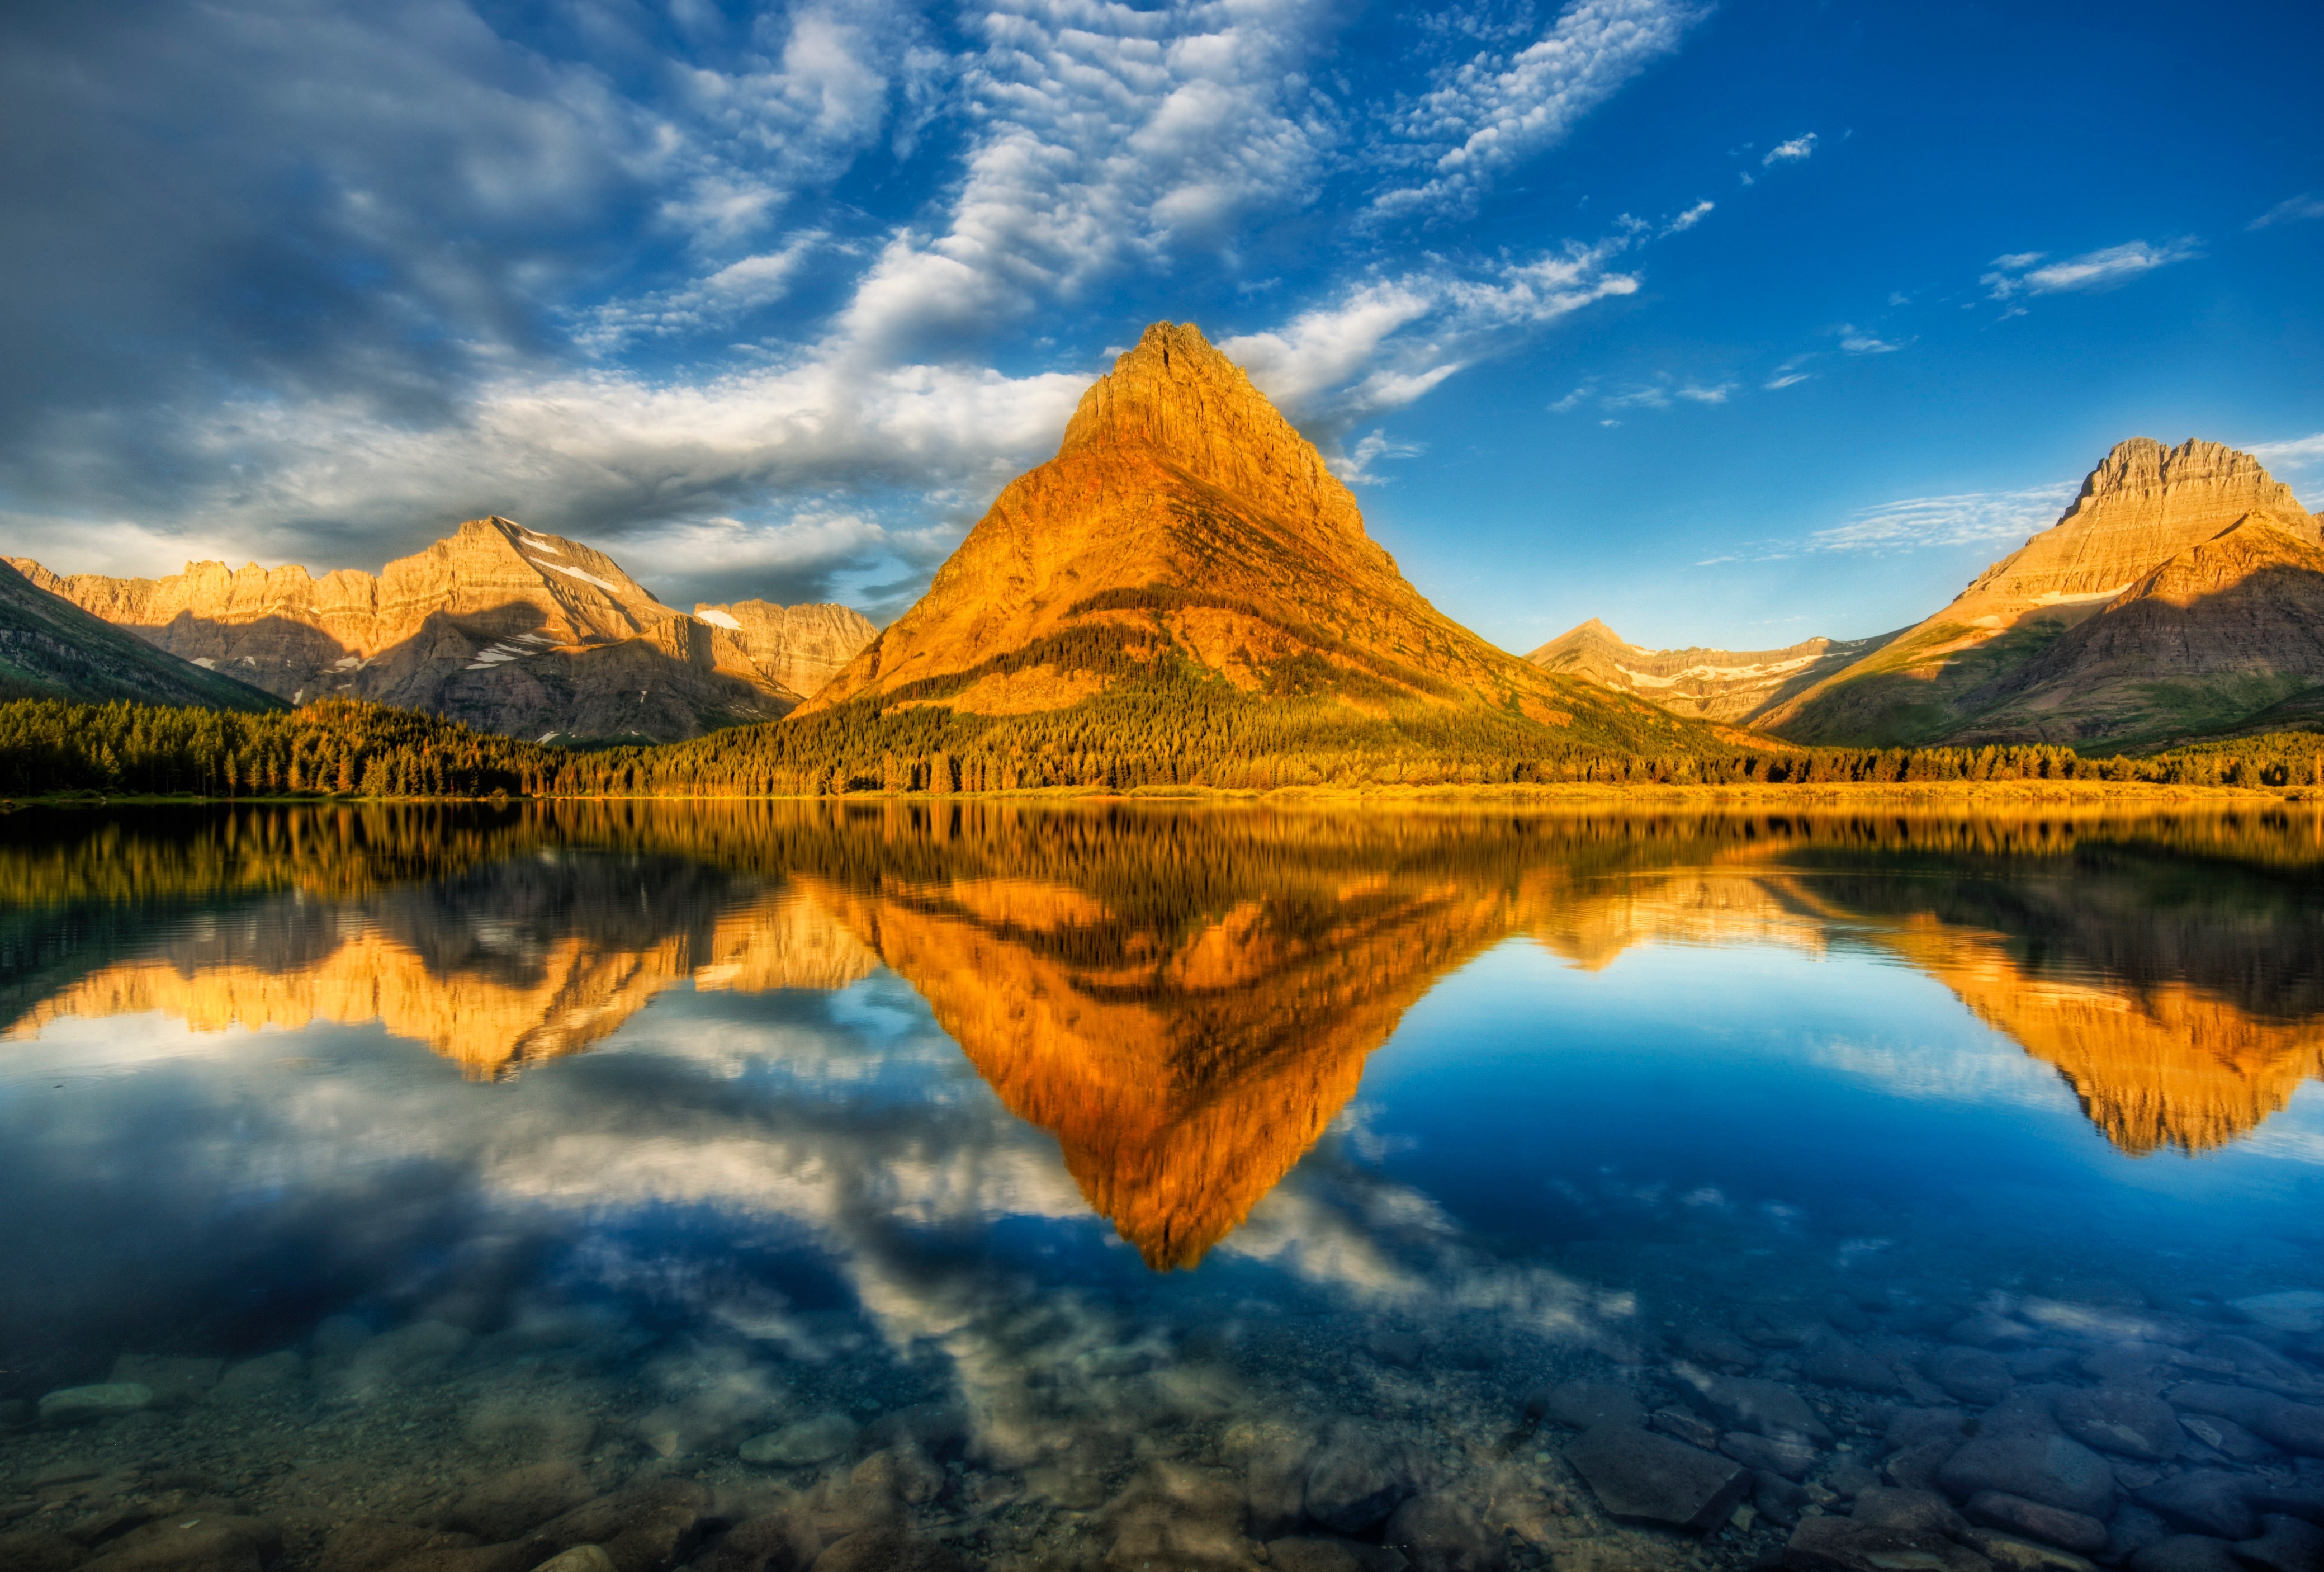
(1720, 685)
(497, 625)
(51, 649)
(801, 647)
(1184, 518)
(1984, 668)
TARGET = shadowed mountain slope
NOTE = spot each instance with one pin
(1718, 685)
(496, 625)
(51, 649)
(2132, 619)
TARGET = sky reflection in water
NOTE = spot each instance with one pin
(1124, 1128)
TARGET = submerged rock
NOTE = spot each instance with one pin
(2284, 1544)
(1788, 1457)
(1637, 1473)
(2115, 1419)
(888, 1549)
(1438, 1533)
(2014, 1514)
(1969, 1375)
(644, 1527)
(2049, 1469)
(777, 1541)
(1834, 1544)
(2186, 1553)
(1579, 1404)
(1915, 1512)
(175, 1382)
(2207, 1501)
(74, 1405)
(1358, 1477)
(506, 1505)
(798, 1445)
(255, 1377)
(1766, 1408)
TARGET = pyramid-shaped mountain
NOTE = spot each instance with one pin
(498, 625)
(2176, 597)
(1186, 525)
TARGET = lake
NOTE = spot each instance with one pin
(743, 1185)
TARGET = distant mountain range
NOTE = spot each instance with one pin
(51, 649)
(2182, 596)
(500, 627)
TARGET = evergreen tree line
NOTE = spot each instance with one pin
(1202, 736)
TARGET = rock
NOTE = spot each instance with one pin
(1911, 1427)
(579, 1558)
(1172, 1516)
(256, 1377)
(905, 1473)
(644, 1527)
(1358, 1477)
(1834, 1544)
(2226, 1437)
(1778, 1499)
(2258, 1364)
(799, 647)
(1637, 1473)
(1844, 1313)
(1324, 1554)
(515, 1558)
(1276, 1463)
(2008, 1553)
(2284, 1544)
(2030, 1409)
(1837, 1361)
(1849, 1478)
(1394, 1345)
(939, 1429)
(799, 1446)
(775, 1541)
(2116, 1420)
(1764, 1407)
(211, 1542)
(1690, 1427)
(1579, 1404)
(2207, 1501)
(1913, 1512)
(2013, 1515)
(2186, 1553)
(1915, 1467)
(2292, 1426)
(889, 1550)
(1715, 1346)
(1985, 1329)
(505, 1506)
(1790, 1458)
(38, 1551)
(2292, 1500)
(2292, 1310)
(1971, 1375)
(2130, 1529)
(2051, 1470)
(2144, 1365)
(175, 1384)
(1781, 1326)
(74, 1405)
(2038, 1364)
(375, 1544)
(1438, 1533)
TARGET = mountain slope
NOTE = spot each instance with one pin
(2144, 506)
(802, 647)
(495, 625)
(51, 649)
(1185, 532)
(1718, 685)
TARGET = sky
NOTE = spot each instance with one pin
(1729, 323)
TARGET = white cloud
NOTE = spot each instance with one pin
(1707, 395)
(2016, 274)
(1856, 342)
(1355, 467)
(1489, 111)
(1793, 152)
(1787, 379)
(2297, 453)
(1966, 519)
(1688, 220)
(2291, 210)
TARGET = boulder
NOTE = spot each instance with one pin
(800, 1446)
(2186, 1553)
(2283, 1544)
(175, 1382)
(1177, 1516)
(1969, 1375)
(2121, 1419)
(375, 1544)
(1835, 1544)
(1837, 1362)
(2226, 1437)
(579, 1558)
(2014, 1514)
(2049, 1469)
(1440, 1533)
(775, 1541)
(1358, 1477)
(889, 1550)
(1788, 1457)
(39, 1550)
(1914, 1512)
(644, 1527)
(75, 1405)
(2008, 1553)
(1637, 1473)
(2209, 1500)
(211, 1542)
(269, 1372)
(1579, 1404)
(1765, 1407)
(1275, 1464)
(507, 1504)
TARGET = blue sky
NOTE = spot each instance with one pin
(1729, 323)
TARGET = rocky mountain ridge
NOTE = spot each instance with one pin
(502, 627)
(1706, 684)
(51, 649)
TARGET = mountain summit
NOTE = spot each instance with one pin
(2181, 582)
(1185, 526)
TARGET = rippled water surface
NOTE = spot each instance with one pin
(753, 1186)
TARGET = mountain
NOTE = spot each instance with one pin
(1186, 533)
(51, 649)
(1718, 685)
(2134, 618)
(497, 625)
(798, 646)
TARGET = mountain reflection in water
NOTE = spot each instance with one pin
(1186, 999)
